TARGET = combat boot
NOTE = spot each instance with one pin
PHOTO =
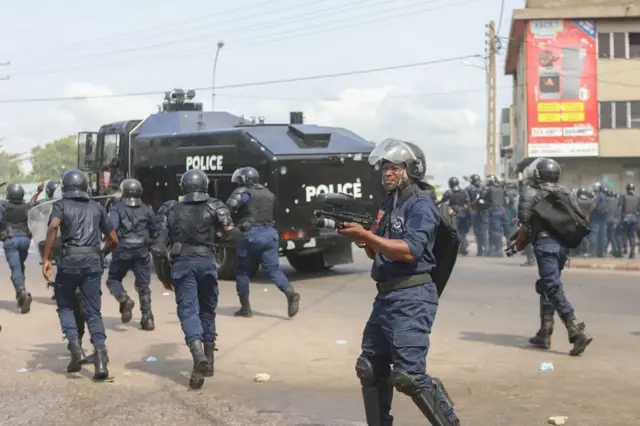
(579, 338)
(147, 321)
(24, 301)
(542, 339)
(78, 357)
(126, 307)
(245, 309)
(200, 364)
(209, 349)
(293, 302)
(100, 360)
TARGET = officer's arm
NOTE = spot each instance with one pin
(525, 205)
(1, 213)
(159, 243)
(55, 220)
(152, 222)
(106, 227)
(446, 196)
(421, 222)
(238, 198)
(114, 219)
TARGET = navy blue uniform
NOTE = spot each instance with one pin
(398, 329)
(136, 227)
(460, 201)
(496, 202)
(598, 222)
(13, 217)
(80, 265)
(629, 208)
(479, 218)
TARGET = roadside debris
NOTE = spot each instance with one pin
(262, 378)
(557, 420)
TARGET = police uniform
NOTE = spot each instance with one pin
(397, 332)
(528, 249)
(585, 202)
(460, 202)
(190, 234)
(253, 206)
(496, 201)
(551, 256)
(612, 222)
(479, 215)
(598, 222)
(629, 208)
(135, 224)
(81, 265)
(16, 239)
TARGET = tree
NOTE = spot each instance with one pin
(9, 166)
(52, 159)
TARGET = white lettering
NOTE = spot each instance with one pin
(350, 188)
(211, 163)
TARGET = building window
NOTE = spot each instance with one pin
(619, 46)
(620, 115)
(604, 45)
(634, 114)
(606, 116)
(634, 45)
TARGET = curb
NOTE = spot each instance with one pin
(606, 266)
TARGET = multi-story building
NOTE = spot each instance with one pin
(576, 88)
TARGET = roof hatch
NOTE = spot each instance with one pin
(309, 135)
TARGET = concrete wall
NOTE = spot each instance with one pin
(583, 172)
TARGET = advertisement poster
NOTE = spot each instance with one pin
(562, 101)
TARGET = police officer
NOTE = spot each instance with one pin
(585, 202)
(49, 190)
(612, 222)
(598, 222)
(80, 222)
(461, 204)
(16, 237)
(252, 206)
(190, 233)
(495, 199)
(551, 256)
(525, 186)
(398, 329)
(630, 208)
(135, 224)
(480, 214)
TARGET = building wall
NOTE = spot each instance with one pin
(584, 172)
(519, 109)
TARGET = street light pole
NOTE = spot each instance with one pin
(220, 45)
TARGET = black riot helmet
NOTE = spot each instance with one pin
(492, 180)
(75, 185)
(194, 185)
(50, 188)
(398, 152)
(131, 190)
(15, 193)
(453, 182)
(631, 188)
(581, 192)
(546, 171)
(475, 179)
(245, 176)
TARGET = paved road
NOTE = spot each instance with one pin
(478, 348)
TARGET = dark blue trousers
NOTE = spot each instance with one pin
(119, 267)
(16, 250)
(551, 257)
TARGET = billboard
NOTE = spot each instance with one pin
(562, 101)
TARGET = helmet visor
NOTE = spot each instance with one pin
(393, 151)
(235, 178)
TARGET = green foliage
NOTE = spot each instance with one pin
(54, 158)
(9, 167)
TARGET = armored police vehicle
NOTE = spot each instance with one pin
(296, 161)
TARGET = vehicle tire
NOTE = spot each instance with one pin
(226, 262)
(308, 264)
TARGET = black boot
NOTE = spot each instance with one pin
(78, 357)
(126, 307)
(245, 309)
(147, 321)
(542, 339)
(209, 349)
(200, 363)
(24, 301)
(579, 338)
(293, 302)
(100, 361)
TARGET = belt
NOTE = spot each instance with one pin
(79, 250)
(195, 249)
(403, 282)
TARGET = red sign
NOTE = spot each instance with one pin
(561, 79)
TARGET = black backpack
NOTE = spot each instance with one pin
(446, 247)
(561, 219)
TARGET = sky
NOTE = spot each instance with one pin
(79, 48)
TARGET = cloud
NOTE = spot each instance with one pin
(446, 128)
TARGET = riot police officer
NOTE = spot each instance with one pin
(80, 221)
(612, 222)
(49, 191)
(189, 232)
(525, 186)
(584, 201)
(598, 221)
(398, 329)
(461, 204)
(630, 208)
(495, 199)
(551, 256)
(16, 239)
(135, 224)
(480, 214)
(252, 206)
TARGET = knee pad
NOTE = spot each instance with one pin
(404, 382)
(364, 371)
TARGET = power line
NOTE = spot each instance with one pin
(252, 84)
(500, 17)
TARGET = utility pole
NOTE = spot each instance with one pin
(4, 64)
(490, 165)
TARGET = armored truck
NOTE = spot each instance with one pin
(296, 161)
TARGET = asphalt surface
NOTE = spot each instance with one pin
(479, 349)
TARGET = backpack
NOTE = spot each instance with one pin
(561, 219)
(446, 247)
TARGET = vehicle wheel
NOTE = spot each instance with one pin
(308, 264)
(225, 262)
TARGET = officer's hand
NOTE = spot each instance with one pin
(352, 230)
(168, 286)
(47, 270)
(40, 187)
